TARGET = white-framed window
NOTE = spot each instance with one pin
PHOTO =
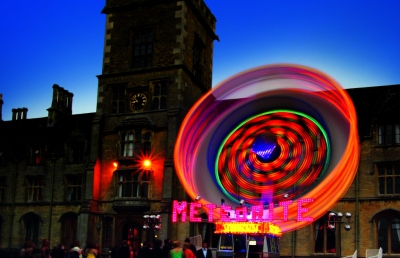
(34, 188)
(74, 186)
(135, 143)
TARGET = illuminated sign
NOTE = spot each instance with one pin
(239, 214)
(247, 228)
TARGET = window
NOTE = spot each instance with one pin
(77, 151)
(69, 226)
(159, 94)
(388, 228)
(2, 187)
(31, 227)
(34, 188)
(132, 143)
(133, 184)
(37, 155)
(142, 52)
(198, 60)
(74, 187)
(2, 158)
(325, 238)
(118, 97)
(389, 178)
(389, 134)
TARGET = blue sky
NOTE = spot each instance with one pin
(46, 42)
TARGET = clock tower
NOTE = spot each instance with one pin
(157, 63)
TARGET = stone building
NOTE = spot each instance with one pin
(82, 177)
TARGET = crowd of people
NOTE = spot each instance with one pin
(154, 249)
(59, 251)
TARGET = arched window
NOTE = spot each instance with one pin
(132, 232)
(324, 238)
(30, 227)
(388, 228)
(69, 226)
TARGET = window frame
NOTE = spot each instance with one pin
(3, 184)
(34, 188)
(118, 99)
(328, 238)
(134, 143)
(72, 189)
(137, 182)
(159, 91)
(142, 50)
(386, 178)
(388, 134)
(386, 233)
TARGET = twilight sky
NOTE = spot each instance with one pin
(357, 42)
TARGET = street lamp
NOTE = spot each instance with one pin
(152, 222)
(337, 217)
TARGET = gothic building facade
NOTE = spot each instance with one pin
(82, 177)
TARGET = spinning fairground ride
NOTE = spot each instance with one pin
(276, 147)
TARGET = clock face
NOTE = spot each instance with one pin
(138, 101)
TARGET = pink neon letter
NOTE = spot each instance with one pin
(285, 205)
(179, 208)
(301, 210)
(257, 213)
(211, 208)
(241, 213)
(194, 212)
(224, 213)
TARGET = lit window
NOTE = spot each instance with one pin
(37, 155)
(142, 52)
(389, 178)
(74, 186)
(34, 188)
(133, 184)
(132, 143)
(389, 134)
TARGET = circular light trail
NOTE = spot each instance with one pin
(269, 133)
(246, 166)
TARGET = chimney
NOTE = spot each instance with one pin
(61, 105)
(19, 113)
(1, 106)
